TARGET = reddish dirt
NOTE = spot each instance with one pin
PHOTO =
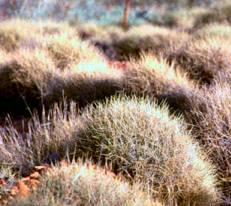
(119, 65)
(21, 187)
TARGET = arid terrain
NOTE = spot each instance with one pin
(96, 114)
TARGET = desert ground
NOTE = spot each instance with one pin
(99, 114)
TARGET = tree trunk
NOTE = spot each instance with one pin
(126, 13)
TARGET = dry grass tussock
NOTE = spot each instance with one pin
(29, 79)
(25, 76)
(85, 82)
(147, 38)
(50, 27)
(139, 140)
(103, 37)
(16, 33)
(214, 30)
(66, 50)
(143, 142)
(205, 60)
(185, 18)
(12, 32)
(96, 33)
(43, 141)
(211, 125)
(153, 76)
(85, 184)
(3, 56)
(218, 14)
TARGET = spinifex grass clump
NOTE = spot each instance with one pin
(103, 37)
(153, 76)
(91, 31)
(139, 140)
(25, 76)
(214, 30)
(13, 32)
(49, 27)
(205, 60)
(218, 14)
(67, 50)
(183, 18)
(17, 33)
(3, 56)
(211, 124)
(29, 78)
(144, 143)
(147, 38)
(45, 140)
(85, 82)
(84, 184)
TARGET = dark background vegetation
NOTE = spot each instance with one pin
(103, 11)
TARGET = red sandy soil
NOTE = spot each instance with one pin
(23, 186)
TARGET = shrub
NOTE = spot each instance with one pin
(182, 18)
(49, 27)
(214, 31)
(204, 59)
(139, 140)
(211, 125)
(103, 37)
(218, 14)
(85, 82)
(13, 32)
(143, 142)
(147, 38)
(3, 56)
(153, 76)
(25, 76)
(16, 33)
(30, 79)
(84, 184)
(207, 114)
(66, 50)
(90, 30)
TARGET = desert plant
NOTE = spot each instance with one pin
(183, 18)
(3, 56)
(161, 82)
(13, 32)
(49, 27)
(85, 82)
(25, 77)
(143, 142)
(30, 79)
(139, 140)
(67, 50)
(214, 30)
(102, 37)
(43, 141)
(147, 38)
(218, 14)
(153, 76)
(84, 184)
(211, 125)
(204, 59)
